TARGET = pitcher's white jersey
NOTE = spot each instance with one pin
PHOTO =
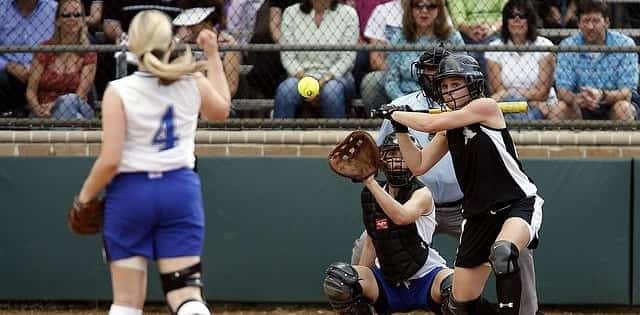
(161, 122)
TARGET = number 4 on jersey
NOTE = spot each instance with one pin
(165, 135)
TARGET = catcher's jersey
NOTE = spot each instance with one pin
(488, 169)
(161, 122)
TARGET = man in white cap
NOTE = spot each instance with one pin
(208, 14)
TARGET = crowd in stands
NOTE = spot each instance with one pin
(566, 85)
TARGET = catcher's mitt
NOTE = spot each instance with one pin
(356, 157)
(86, 218)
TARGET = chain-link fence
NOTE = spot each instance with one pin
(566, 59)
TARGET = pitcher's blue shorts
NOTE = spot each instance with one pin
(154, 215)
(405, 296)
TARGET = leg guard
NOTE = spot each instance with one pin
(193, 307)
(344, 291)
(504, 261)
(187, 277)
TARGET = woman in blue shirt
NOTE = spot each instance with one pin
(424, 22)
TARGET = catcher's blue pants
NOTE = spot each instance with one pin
(406, 296)
(154, 215)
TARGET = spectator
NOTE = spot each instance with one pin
(208, 14)
(94, 14)
(119, 13)
(60, 82)
(424, 22)
(312, 22)
(364, 8)
(275, 14)
(479, 23)
(385, 20)
(593, 85)
(24, 22)
(558, 13)
(267, 71)
(242, 18)
(522, 76)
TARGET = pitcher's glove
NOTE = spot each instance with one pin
(86, 218)
(356, 157)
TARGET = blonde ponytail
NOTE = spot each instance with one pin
(150, 35)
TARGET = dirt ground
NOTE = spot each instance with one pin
(158, 309)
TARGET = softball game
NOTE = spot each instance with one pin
(351, 157)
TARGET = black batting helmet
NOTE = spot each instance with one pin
(393, 165)
(460, 66)
(429, 59)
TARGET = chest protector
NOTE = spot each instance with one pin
(399, 248)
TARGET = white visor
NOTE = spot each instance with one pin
(192, 16)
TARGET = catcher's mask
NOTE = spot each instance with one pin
(459, 66)
(393, 165)
(426, 67)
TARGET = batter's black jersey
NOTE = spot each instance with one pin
(488, 169)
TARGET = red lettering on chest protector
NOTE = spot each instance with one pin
(382, 224)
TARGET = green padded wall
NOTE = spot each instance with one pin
(274, 224)
(584, 253)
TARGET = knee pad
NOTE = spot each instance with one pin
(344, 291)
(504, 258)
(187, 277)
(193, 307)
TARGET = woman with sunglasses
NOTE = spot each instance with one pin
(522, 76)
(59, 83)
(424, 22)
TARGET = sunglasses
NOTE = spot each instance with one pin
(420, 6)
(68, 15)
(520, 16)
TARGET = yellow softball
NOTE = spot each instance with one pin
(308, 87)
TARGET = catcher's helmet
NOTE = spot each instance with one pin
(393, 165)
(430, 59)
(459, 66)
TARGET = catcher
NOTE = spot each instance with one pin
(154, 205)
(400, 272)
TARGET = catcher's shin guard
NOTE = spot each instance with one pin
(344, 291)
